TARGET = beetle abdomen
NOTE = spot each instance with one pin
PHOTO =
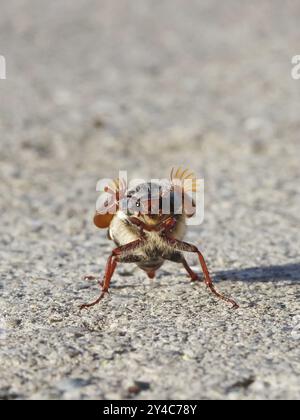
(151, 265)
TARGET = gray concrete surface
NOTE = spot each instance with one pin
(97, 86)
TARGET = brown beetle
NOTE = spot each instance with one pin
(147, 235)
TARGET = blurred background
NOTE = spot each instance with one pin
(98, 86)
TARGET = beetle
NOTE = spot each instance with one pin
(145, 233)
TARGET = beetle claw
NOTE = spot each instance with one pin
(89, 305)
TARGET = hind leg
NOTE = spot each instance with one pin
(194, 276)
(118, 255)
(177, 257)
(109, 271)
(186, 247)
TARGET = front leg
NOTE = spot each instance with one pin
(140, 225)
(185, 247)
(164, 227)
(167, 226)
(117, 255)
(194, 276)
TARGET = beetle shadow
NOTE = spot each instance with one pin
(272, 273)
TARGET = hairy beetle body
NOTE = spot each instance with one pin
(148, 224)
(155, 251)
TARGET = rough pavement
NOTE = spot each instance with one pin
(93, 87)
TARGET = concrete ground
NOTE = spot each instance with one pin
(97, 86)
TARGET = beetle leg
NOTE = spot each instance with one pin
(178, 257)
(194, 276)
(167, 225)
(111, 265)
(110, 268)
(185, 247)
(141, 225)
